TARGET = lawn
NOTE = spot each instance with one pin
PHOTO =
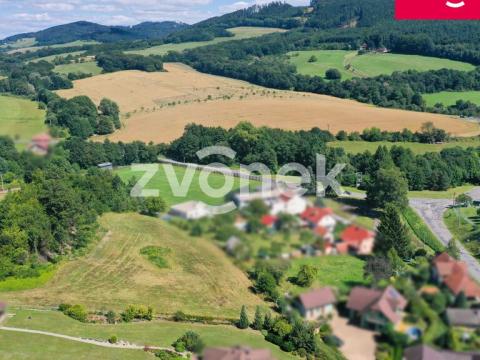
(355, 210)
(15, 346)
(448, 194)
(155, 333)
(448, 98)
(20, 119)
(463, 224)
(340, 271)
(356, 147)
(161, 183)
(350, 64)
(239, 32)
(89, 67)
(50, 58)
(77, 43)
(199, 279)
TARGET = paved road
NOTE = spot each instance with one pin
(432, 210)
(119, 345)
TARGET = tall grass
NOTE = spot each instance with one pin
(421, 230)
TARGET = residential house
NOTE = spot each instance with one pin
(356, 240)
(240, 223)
(425, 352)
(469, 318)
(269, 221)
(235, 353)
(454, 275)
(40, 144)
(375, 308)
(317, 303)
(314, 217)
(190, 210)
(289, 203)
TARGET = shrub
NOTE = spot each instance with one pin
(138, 312)
(333, 74)
(190, 341)
(77, 312)
(113, 339)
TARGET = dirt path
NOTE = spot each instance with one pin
(119, 345)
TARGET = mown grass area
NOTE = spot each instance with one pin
(76, 43)
(14, 345)
(20, 119)
(89, 67)
(447, 194)
(355, 210)
(50, 58)
(199, 280)
(194, 192)
(463, 224)
(154, 333)
(340, 271)
(356, 147)
(240, 33)
(421, 230)
(350, 64)
(448, 98)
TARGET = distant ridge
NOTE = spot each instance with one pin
(84, 30)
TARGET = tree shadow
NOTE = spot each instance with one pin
(359, 207)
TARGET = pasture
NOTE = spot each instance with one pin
(161, 183)
(155, 333)
(357, 147)
(20, 119)
(199, 279)
(50, 58)
(448, 98)
(240, 33)
(350, 64)
(88, 67)
(78, 43)
(157, 106)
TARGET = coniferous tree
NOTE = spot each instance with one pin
(258, 321)
(392, 233)
(267, 321)
(243, 323)
(453, 250)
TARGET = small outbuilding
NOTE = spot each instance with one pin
(190, 210)
(105, 166)
(317, 303)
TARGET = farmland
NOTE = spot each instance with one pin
(356, 147)
(25, 46)
(20, 119)
(239, 33)
(89, 67)
(161, 183)
(155, 333)
(199, 279)
(448, 98)
(157, 106)
(50, 58)
(350, 64)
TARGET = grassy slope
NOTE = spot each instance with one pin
(368, 64)
(78, 43)
(89, 67)
(356, 147)
(156, 333)
(14, 346)
(52, 57)
(200, 278)
(20, 119)
(463, 223)
(240, 33)
(448, 98)
(160, 182)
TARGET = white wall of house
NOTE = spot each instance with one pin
(315, 314)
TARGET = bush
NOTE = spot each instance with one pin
(113, 339)
(77, 312)
(333, 74)
(138, 312)
(189, 341)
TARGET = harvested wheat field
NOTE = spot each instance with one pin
(157, 106)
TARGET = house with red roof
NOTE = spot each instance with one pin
(288, 202)
(356, 240)
(317, 303)
(455, 276)
(314, 217)
(40, 144)
(269, 221)
(376, 308)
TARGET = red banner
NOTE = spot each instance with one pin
(437, 9)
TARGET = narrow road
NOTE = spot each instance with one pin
(431, 211)
(119, 345)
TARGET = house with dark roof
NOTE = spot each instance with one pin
(469, 318)
(235, 353)
(375, 308)
(317, 303)
(455, 276)
(424, 352)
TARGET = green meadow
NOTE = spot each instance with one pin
(89, 67)
(161, 183)
(448, 98)
(356, 147)
(20, 119)
(350, 64)
(239, 34)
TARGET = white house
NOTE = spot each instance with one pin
(319, 217)
(289, 203)
(317, 303)
(190, 210)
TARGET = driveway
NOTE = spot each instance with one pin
(431, 211)
(359, 344)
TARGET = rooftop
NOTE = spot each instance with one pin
(317, 298)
